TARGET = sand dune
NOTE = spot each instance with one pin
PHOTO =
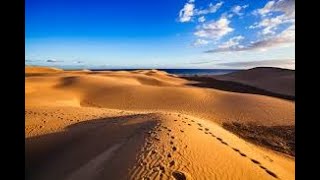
(40, 69)
(277, 80)
(146, 124)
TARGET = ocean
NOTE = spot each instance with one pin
(183, 72)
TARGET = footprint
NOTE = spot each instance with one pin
(175, 120)
(155, 169)
(224, 143)
(242, 154)
(219, 139)
(235, 149)
(267, 157)
(171, 142)
(189, 124)
(262, 167)
(169, 155)
(207, 129)
(255, 161)
(179, 175)
(200, 129)
(162, 168)
(271, 173)
(172, 163)
(182, 131)
(172, 137)
(174, 148)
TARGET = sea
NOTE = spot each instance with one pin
(183, 72)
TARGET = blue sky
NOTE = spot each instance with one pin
(160, 34)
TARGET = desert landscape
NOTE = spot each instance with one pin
(148, 124)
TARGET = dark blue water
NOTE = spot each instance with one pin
(185, 72)
(192, 72)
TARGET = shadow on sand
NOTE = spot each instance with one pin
(53, 155)
(210, 82)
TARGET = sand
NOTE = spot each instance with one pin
(145, 124)
(277, 80)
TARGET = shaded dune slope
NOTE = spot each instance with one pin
(276, 80)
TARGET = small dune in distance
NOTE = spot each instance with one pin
(276, 80)
(149, 124)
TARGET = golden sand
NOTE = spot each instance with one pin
(145, 124)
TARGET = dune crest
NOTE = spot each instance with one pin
(40, 69)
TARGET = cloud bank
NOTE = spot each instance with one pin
(285, 63)
(286, 37)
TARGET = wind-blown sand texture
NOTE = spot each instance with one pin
(145, 124)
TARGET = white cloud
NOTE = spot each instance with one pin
(245, 6)
(200, 42)
(270, 24)
(254, 25)
(214, 29)
(285, 38)
(266, 9)
(186, 12)
(52, 61)
(286, 6)
(232, 42)
(229, 15)
(211, 9)
(236, 9)
(201, 19)
(189, 11)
